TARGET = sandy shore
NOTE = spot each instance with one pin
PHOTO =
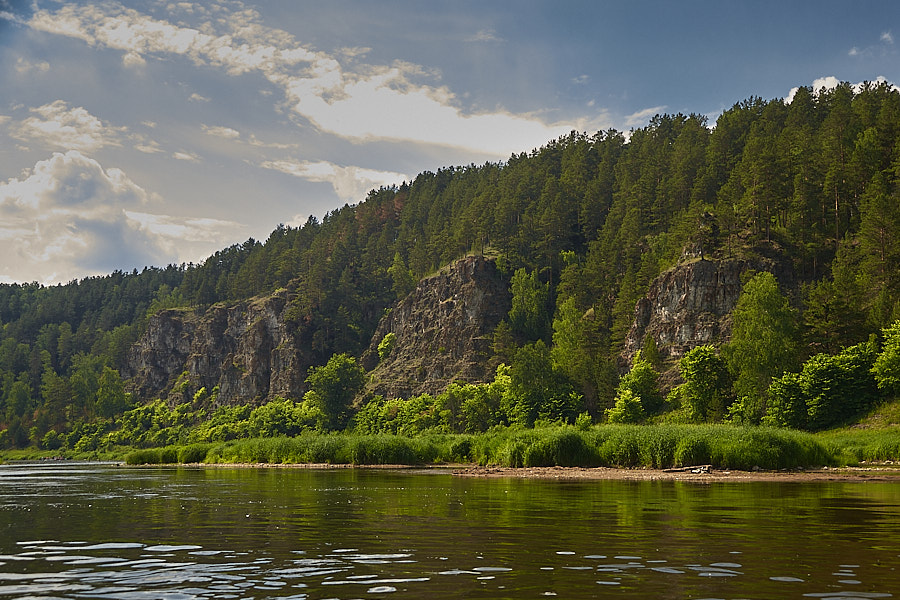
(699, 474)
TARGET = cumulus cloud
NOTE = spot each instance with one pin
(186, 156)
(351, 184)
(374, 102)
(887, 37)
(58, 125)
(66, 215)
(70, 217)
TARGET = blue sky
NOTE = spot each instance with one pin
(147, 132)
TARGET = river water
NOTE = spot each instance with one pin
(103, 531)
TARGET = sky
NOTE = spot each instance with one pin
(141, 133)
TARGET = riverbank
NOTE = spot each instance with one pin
(699, 474)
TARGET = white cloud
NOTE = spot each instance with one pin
(57, 125)
(372, 103)
(854, 51)
(189, 239)
(148, 147)
(642, 116)
(195, 97)
(69, 217)
(887, 37)
(186, 156)
(66, 215)
(484, 35)
(24, 67)
(223, 132)
(351, 184)
(830, 82)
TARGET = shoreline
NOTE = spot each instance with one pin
(697, 474)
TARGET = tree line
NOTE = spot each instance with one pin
(580, 226)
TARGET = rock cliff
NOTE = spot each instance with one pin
(691, 304)
(685, 307)
(443, 331)
(245, 349)
(253, 353)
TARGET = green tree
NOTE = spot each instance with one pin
(628, 408)
(528, 314)
(642, 382)
(537, 390)
(112, 399)
(763, 343)
(402, 277)
(839, 387)
(887, 366)
(707, 383)
(332, 388)
(787, 402)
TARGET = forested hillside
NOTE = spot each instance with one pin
(580, 227)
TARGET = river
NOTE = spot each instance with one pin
(106, 531)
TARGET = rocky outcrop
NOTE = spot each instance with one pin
(687, 306)
(253, 353)
(691, 304)
(443, 331)
(245, 349)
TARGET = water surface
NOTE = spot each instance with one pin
(101, 531)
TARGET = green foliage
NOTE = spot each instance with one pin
(840, 386)
(528, 315)
(642, 382)
(887, 365)
(707, 384)
(386, 345)
(831, 388)
(628, 408)
(763, 343)
(332, 388)
(787, 402)
(537, 390)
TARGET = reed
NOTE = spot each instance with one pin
(634, 446)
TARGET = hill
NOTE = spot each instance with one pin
(580, 229)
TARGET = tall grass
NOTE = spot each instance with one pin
(852, 446)
(635, 446)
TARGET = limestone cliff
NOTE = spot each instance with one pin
(252, 352)
(245, 349)
(691, 304)
(685, 307)
(443, 331)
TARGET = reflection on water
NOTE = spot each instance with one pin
(89, 531)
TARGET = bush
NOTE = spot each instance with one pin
(194, 453)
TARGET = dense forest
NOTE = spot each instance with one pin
(581, 226)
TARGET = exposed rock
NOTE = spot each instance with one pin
(253, 353)
(443, 331)
(687, 306)
(245, 349)
(691, 304)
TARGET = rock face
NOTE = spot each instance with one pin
(253, 353)
(443, 331)
(687, 306)
(244, 349)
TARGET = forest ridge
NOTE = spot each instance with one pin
(580, 226)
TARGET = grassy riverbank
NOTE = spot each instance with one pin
(646, 446)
